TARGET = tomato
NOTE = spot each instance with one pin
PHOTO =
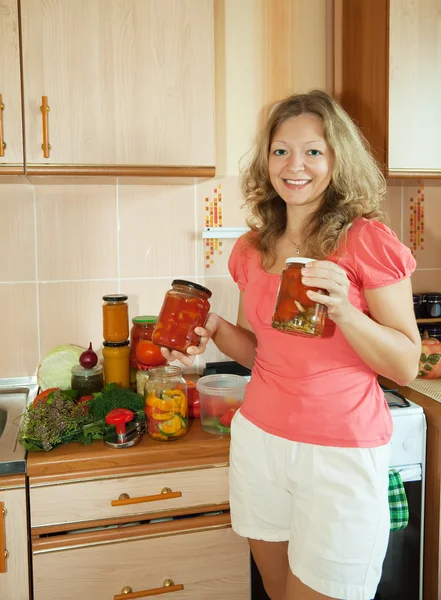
(226, 419)
(147, 353)
(85, 399)
(42, 396)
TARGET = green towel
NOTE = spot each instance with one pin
(398, 507)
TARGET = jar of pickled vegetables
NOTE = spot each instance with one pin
(115, 318)
(142, 329)
(166, 404)
(294, 311)
(185, 307)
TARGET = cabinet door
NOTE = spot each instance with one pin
(14, 578)
(210, 565)
(127, 83)
(11, 159)
(415, 86)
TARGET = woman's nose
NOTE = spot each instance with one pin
(296, 162)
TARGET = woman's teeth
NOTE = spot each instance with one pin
(297, 182)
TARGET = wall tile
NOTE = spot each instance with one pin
(426, 281)
(157, 230)
(19, 329)
(71, 313)
(77, 232)
(393, 206)
(17, 233)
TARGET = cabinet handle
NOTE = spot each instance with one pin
(2, 139)
(46, 147)
(165, 494)
(168, 586)
(3, 552)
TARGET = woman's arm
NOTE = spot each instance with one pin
(388, 341)
(236, 341)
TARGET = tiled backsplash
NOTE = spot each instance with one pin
(64, 244)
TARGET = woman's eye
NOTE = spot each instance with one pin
(314, 152)
(280, 152)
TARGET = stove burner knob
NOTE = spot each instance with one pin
(408, 444)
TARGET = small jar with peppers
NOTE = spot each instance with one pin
(166, 404)
(185, 307)
(295, 312)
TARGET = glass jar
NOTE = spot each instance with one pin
(142, 329)
(294, 312)
(418, 307)
(185, 307)
(116, 363)
(431, 304)
(115, 318)
(87, 381)
(166, 404)
(141, 378)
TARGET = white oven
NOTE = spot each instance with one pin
(402, 577)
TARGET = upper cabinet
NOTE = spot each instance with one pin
(388, 77)
(11, 136)
(115, 87)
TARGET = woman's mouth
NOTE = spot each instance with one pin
(296, 184)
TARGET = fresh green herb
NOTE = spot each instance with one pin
(112, 397)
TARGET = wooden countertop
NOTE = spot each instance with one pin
(77, 462)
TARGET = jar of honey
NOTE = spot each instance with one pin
(116, 363)
(115, 318)
(185, 307)
(294, 312)
(142, 329)
(166, 403)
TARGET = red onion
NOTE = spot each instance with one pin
(88, 358)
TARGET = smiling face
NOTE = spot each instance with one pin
(301, 161)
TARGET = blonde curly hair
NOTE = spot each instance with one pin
(356, 189)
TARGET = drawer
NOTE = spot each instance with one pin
(210, 564)
(73, 503)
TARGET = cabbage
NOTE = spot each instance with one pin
(55, 369)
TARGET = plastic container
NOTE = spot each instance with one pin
(166, 404)
(185, 307)
(87, 381)
(115, 318)
(116, 363)
(294, 312)
(142, 329)
(220, 397)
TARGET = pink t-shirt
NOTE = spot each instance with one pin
(318, 390)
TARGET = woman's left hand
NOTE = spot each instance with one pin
(328, 276)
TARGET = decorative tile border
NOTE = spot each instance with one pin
(213, 218)
(416, 220)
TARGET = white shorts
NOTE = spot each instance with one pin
(331, 505)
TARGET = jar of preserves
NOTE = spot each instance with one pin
(87, 381)
(166, 403)
(116, 363)
(115, 318)
(294, 312)
(431, 304)
(185, 307)
(142, 329)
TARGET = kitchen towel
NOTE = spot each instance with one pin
(398, 507)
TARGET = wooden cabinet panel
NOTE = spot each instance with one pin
(415, 85)
(14, 582)
(10, 89)
(210, 564)
(91, 500)
(128, 83)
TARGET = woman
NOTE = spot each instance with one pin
(310, 445)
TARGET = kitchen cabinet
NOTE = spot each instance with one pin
(14, 566)
(11, 137)
(134, 523)
(120, 88)
(388, 78)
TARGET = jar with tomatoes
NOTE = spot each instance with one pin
(142, 329)
(185, 307)
(295, 312)
(166, 404)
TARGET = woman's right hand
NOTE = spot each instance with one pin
(211, 326)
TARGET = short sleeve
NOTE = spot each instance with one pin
(237, 263)
(380, 258)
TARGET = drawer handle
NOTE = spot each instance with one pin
(2, 140)
(45, 146)
(168, 586)
(3, 552)
(165, 494)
